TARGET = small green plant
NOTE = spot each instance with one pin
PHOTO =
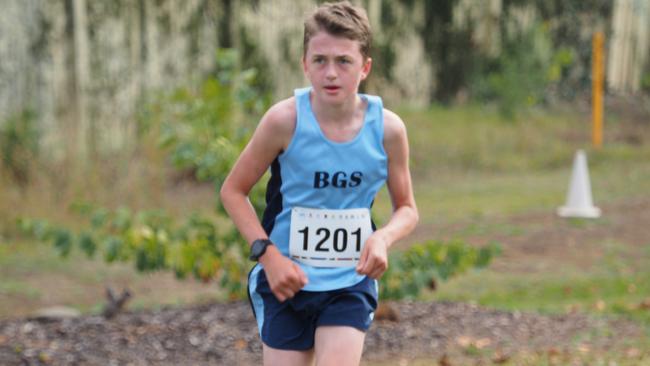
(418, 267)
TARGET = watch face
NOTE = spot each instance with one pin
(258, 248)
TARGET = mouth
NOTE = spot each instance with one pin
(332, 88)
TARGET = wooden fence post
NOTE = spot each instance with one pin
(597, 89)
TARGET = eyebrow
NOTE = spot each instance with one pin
(345, 55)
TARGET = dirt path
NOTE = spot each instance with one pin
(225, 334)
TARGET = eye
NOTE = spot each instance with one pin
(344, 61)
(319, 60)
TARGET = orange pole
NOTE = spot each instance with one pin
(597, 89)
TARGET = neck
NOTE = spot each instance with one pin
(335, 112)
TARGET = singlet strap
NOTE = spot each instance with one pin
(375, 117)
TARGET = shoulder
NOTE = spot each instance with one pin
(394, 128)
(396, 142)
(278, 124)
(281, 116)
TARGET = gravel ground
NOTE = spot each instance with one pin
(226, 334)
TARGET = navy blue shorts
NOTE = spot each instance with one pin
(291, 325)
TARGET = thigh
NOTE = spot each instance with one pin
(279, 357)
(338, 346)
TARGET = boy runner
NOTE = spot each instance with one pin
(330, 150)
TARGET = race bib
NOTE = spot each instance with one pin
(328, 238)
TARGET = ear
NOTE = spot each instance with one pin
(304, 64)
(365, 69)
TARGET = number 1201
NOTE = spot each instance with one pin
(339, 239)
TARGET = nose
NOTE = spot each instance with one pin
(330, 72)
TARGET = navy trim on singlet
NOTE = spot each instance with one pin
(372, 221)
(273, 198)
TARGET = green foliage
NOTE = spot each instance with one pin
(645, 82)
(153, 241)
(19, 141)
(520, 76)
(205, 128)
(417, 268)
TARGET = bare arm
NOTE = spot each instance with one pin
(374, 259)
(267, 142)
(270, 138)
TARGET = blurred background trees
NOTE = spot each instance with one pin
(84, 68)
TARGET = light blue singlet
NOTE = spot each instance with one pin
(316, 172)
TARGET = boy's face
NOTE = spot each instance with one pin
(335, 67)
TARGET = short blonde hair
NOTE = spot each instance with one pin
(340, 19)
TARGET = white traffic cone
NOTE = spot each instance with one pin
(579, 202)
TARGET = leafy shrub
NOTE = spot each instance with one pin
(153, 241)
(520, 77)
(205, 128)
(422, 264)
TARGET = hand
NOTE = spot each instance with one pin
(374, 257)
(285, 277)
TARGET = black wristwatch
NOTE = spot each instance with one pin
(258, 248)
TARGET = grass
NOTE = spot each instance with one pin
(562, 291)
